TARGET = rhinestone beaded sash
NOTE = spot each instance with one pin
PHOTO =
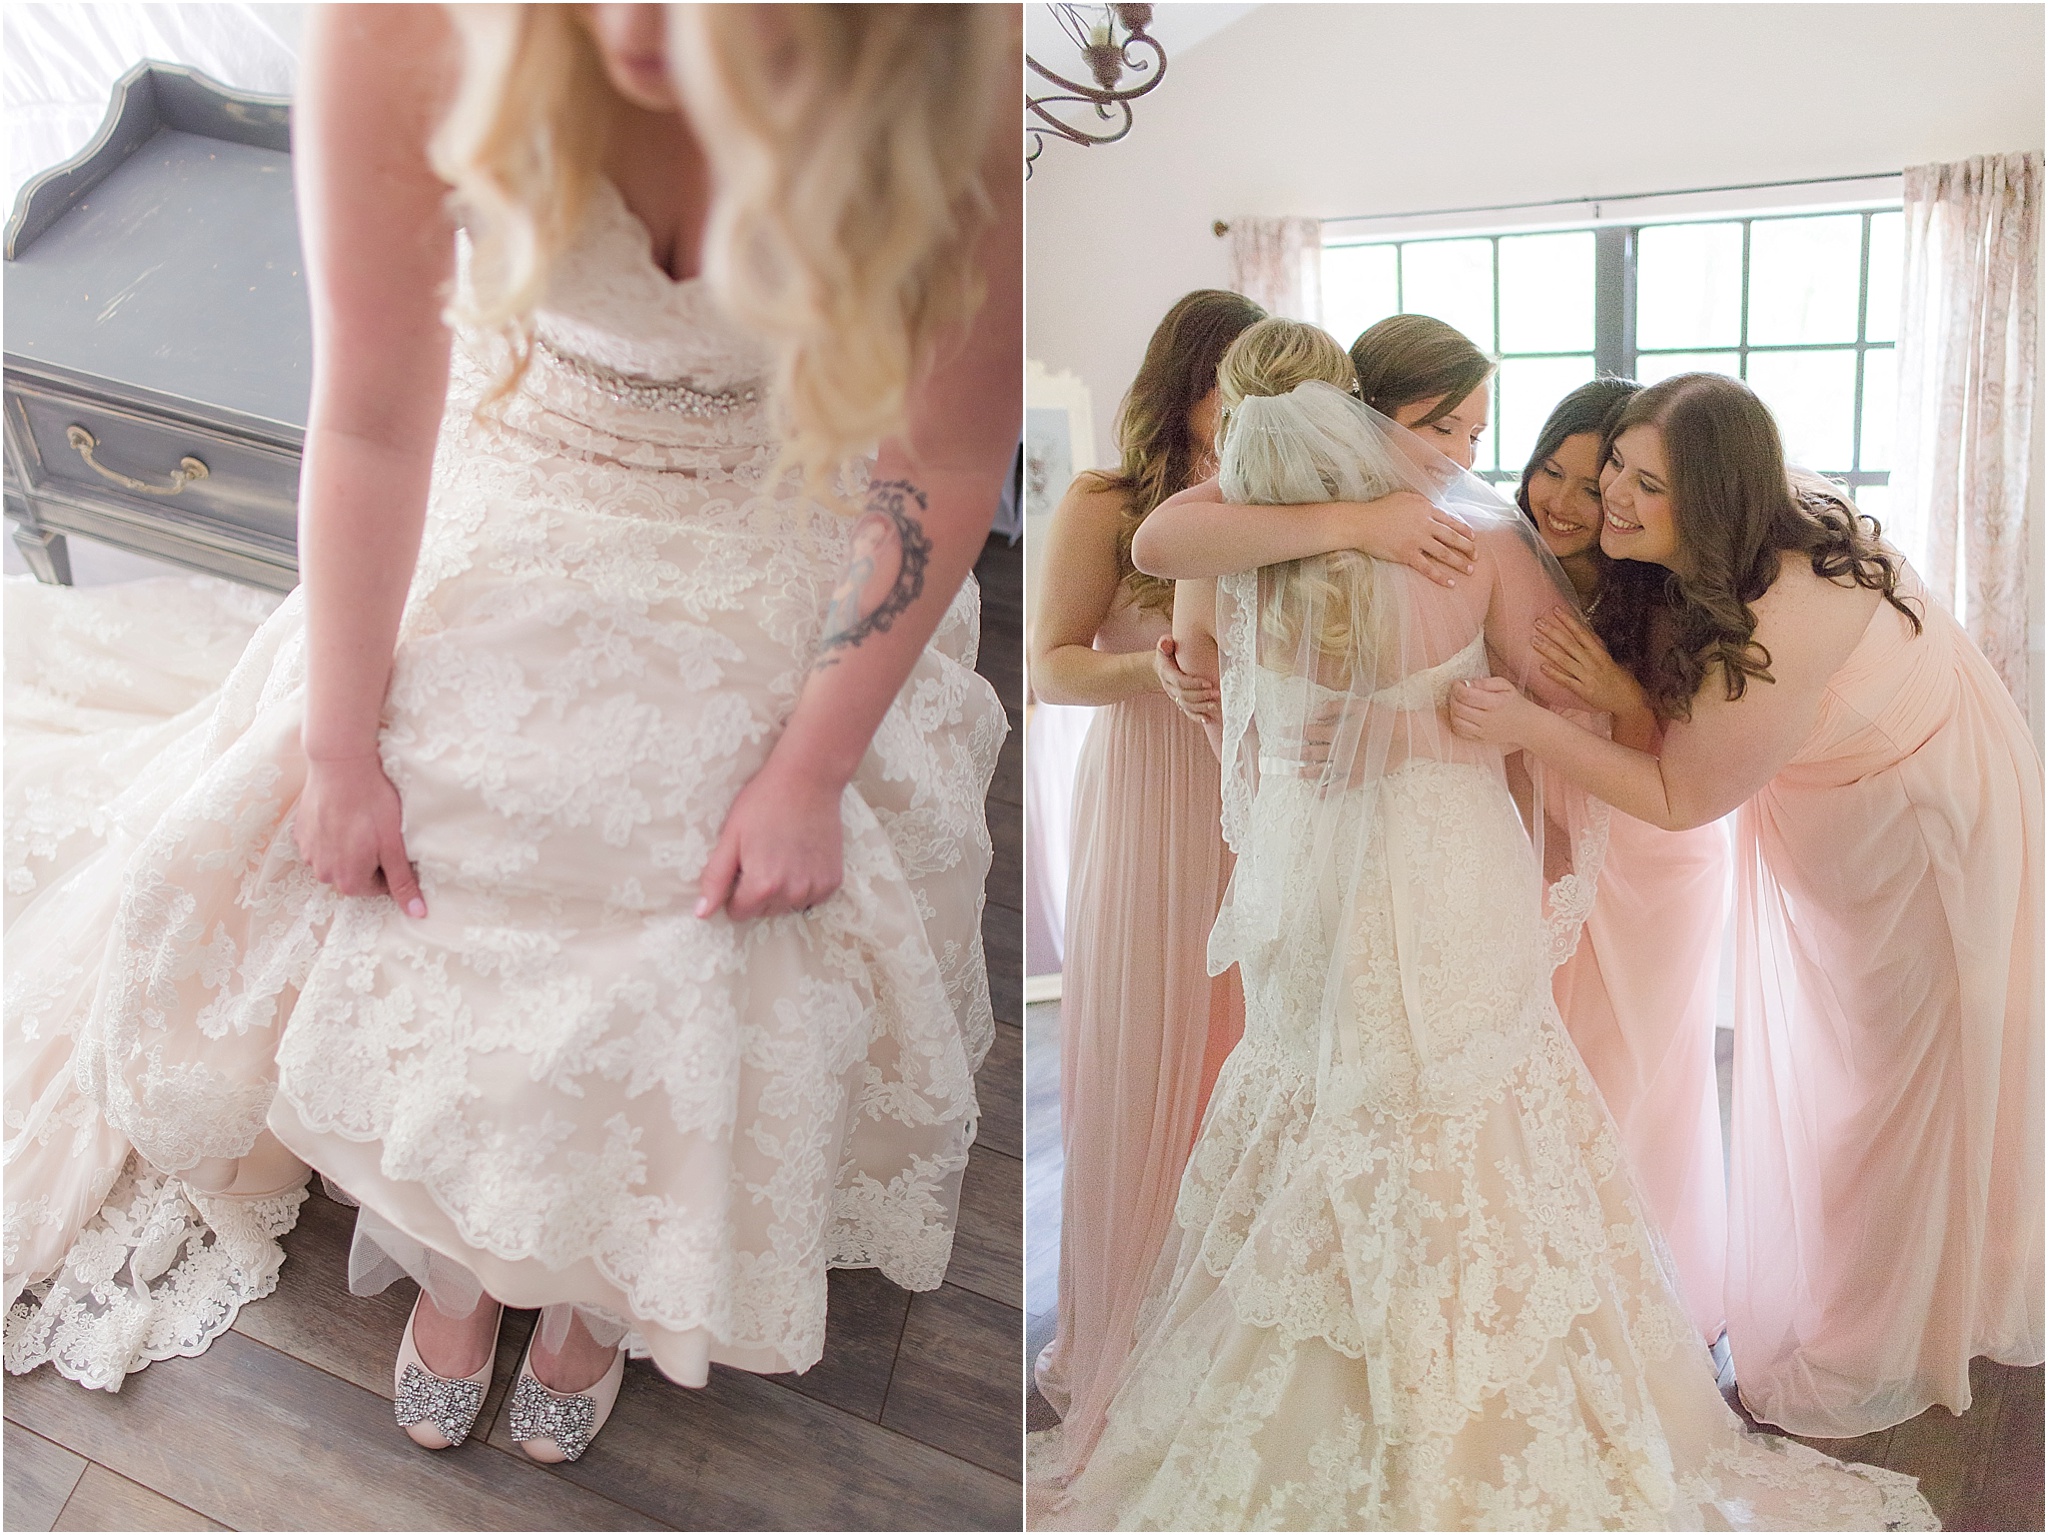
(640, 392)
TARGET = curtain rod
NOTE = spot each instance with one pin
(1222, 226)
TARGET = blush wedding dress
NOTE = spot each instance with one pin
(560, 1083)
(1412, 1285)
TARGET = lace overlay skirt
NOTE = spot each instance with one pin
(1431, 1302)
(560, 1079)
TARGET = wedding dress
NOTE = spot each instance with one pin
(1413, 1286)
(560, 1083)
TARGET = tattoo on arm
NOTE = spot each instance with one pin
(889, 523)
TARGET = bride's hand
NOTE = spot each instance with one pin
(347, 829)
(1196, 697)
(780, 849)
(1407, 528)
(1490, 709)
(1573, 655)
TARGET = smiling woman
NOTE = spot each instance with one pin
(1640, 994)
(1885, 1171)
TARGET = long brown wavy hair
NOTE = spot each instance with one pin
(1738, 512)
(1410, 357)
(1159, 454)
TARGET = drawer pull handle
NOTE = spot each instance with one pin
(188, 470)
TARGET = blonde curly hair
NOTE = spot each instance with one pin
(846, 144)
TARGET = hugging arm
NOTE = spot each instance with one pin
(1710, 763)
(927, 513)
(1196, 652)
(1197, 533)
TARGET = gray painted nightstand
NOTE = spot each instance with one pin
(158, 337)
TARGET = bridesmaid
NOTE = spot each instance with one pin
(1885, 1190)
(1639, 995)
(1142, 1026)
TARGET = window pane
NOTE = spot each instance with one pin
(1813, 395)
(1689, 285)
(1452, 280)
(1804, 279)
(1527, 391)
(1358, 288)
(1887, 281)
(1880, 406)
(1546, 293)
(1660, 366)
(1877, 501)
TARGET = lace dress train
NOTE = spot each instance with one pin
(560, 1082)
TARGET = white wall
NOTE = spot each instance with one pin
(1334, 110)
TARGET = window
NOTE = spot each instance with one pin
(1783, 301)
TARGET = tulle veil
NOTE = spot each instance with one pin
(1336, 674)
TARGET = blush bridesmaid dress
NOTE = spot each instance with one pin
(1639, 997)
(1885, 1176)
(1143, 1026)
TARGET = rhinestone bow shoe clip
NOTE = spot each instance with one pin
(435, 1411)
(555, 1426)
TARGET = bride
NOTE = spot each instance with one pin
(582, 868)
(1414, 1287)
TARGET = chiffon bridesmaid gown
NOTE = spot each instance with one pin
(1143, 1027)
(1885, 1191)
(1639, 998)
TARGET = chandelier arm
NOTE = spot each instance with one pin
(1141, 54)
(1069, 132)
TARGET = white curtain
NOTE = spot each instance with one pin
(1052, 747)
(1278, 264)
(61, 62)
(1967, 348)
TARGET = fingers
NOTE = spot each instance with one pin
(1456, 537)
(721, 871)
(777, 895)
(755, 896)
(399, 878)
(1428, 561)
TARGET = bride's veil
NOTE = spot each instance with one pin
(1395, 883)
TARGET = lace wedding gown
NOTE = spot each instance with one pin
(1413, 1285)
(560, 1080)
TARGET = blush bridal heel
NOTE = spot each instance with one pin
(435, 1411)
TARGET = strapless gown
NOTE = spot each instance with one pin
(1144, 1027)
(560, 1080)
(1885, 1198)
(1421, 1294)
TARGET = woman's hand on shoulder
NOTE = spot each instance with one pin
(1405, 527)
(348, 829)
(1571, 654)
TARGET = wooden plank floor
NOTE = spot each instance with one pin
(1980, 1471)
(911, 1421)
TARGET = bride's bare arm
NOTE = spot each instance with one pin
(928, 510)
(1195, 648)
(378, 248)
(1197, 533)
